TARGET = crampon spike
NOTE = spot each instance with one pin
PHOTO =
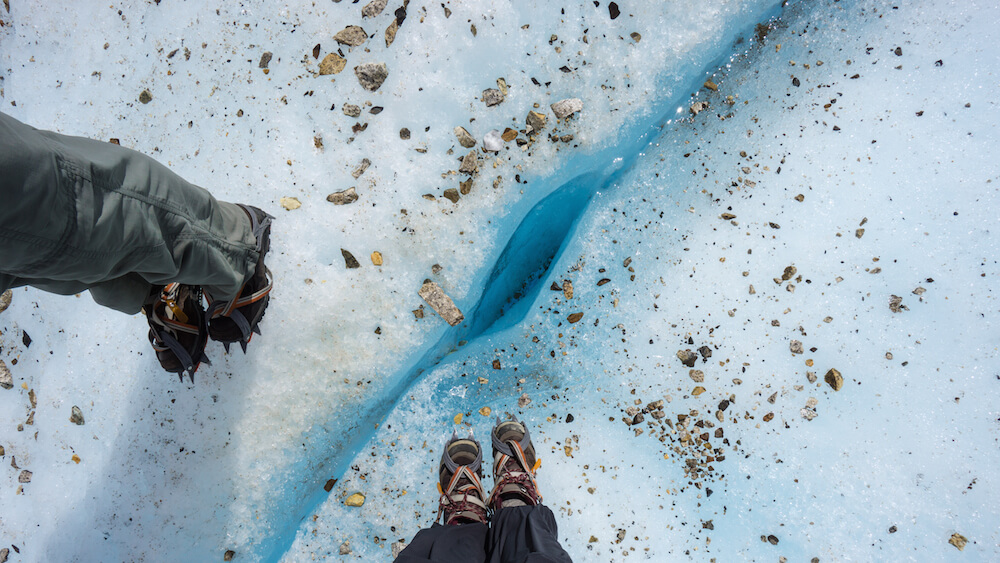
(226, 346)
(257, 330)
(243, 344)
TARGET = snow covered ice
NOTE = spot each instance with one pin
(852, 141)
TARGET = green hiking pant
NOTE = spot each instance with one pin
(79, 214)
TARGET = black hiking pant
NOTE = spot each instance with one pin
(519, 534)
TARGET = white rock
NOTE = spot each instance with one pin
(6, 381)
(567, 107)
(492, 141)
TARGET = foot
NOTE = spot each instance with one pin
(460, 482)
(177, 328)
(237, 320)
(514, 466)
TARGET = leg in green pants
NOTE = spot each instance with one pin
(79, 214)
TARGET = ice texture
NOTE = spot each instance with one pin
(347, 383)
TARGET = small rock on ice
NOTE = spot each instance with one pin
(440, 302)
(351, 110)
(470, 163)
(796, 347)
(535, 121)
(76, 416)
(5, 300)
(332, 64)
(397, 548)
(357, 499)
(523, 401)
(6, 381)
(687, 357)
(350, 195)
(360, 169)
(567, 107)
(493, 141)
(834, 379)
(373, 8)
(464, 138)
(958, 540)
(345, 548)
(349, 260)
(24, 477)
(351, 35)
(492, 97)
(265, 59)
(371, 75)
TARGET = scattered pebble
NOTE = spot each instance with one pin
(290, 203)
(796, 347)
(397, 548)
(451, 194)
(332, 64)
(697, 375)
(698, 107)
(265, 59)
(567, 289)
(371, 75)
(360, 169)
(228, 555)
(470, 163)
(357, 499)
(536, 121)
(349, 260)
(348, 196)
(145, 97)
(711, 86)
(6, 381)
(834, 379)
(351, 35)
(523, 401)
(373, 8)
(574, 317)
(404, 134)
(345, 548)
(76, 416)
(24, 477)
(636, 36)
(5, 299)
(958, 540)
(464, 138)
(440, 302)
(896, 304)
(351, 110)
(492, 96)
(377, 258)
(567, 107)
(687, 357)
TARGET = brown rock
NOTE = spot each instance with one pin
(351, 35)
(470, 163)
(145, 96)
(377, 258)
(834, 379)
(536, 121)
(464, 137)
(228, 555)
(492, 97)
(24, 477)
(349, 260)
(76, 416)
(371, 75)
(451, 194)
(332, 64)
(509, 134)
(711, 86)
(440, 302)
(6, 381)
(5, 299)
(373, 8)
(687, 357)
(567, 289)
(348, 196)
(265, 59)
(958, 540)
(697, 375)
(390, 32)
(574, 317)
(465, 187)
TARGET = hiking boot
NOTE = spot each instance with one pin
(460, 482)
(177, 328)
(514, 466)
(237, 320)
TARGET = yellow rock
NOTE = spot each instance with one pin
(76, 458)
(711, 86)
(458, 418)
(290, 203)
(568, 450)
(332, 64)
(485, 411)
(357, 499)
(698, 390)
(959, 541)
(377, 258)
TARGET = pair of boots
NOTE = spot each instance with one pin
(463, 499)
(179, 326)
